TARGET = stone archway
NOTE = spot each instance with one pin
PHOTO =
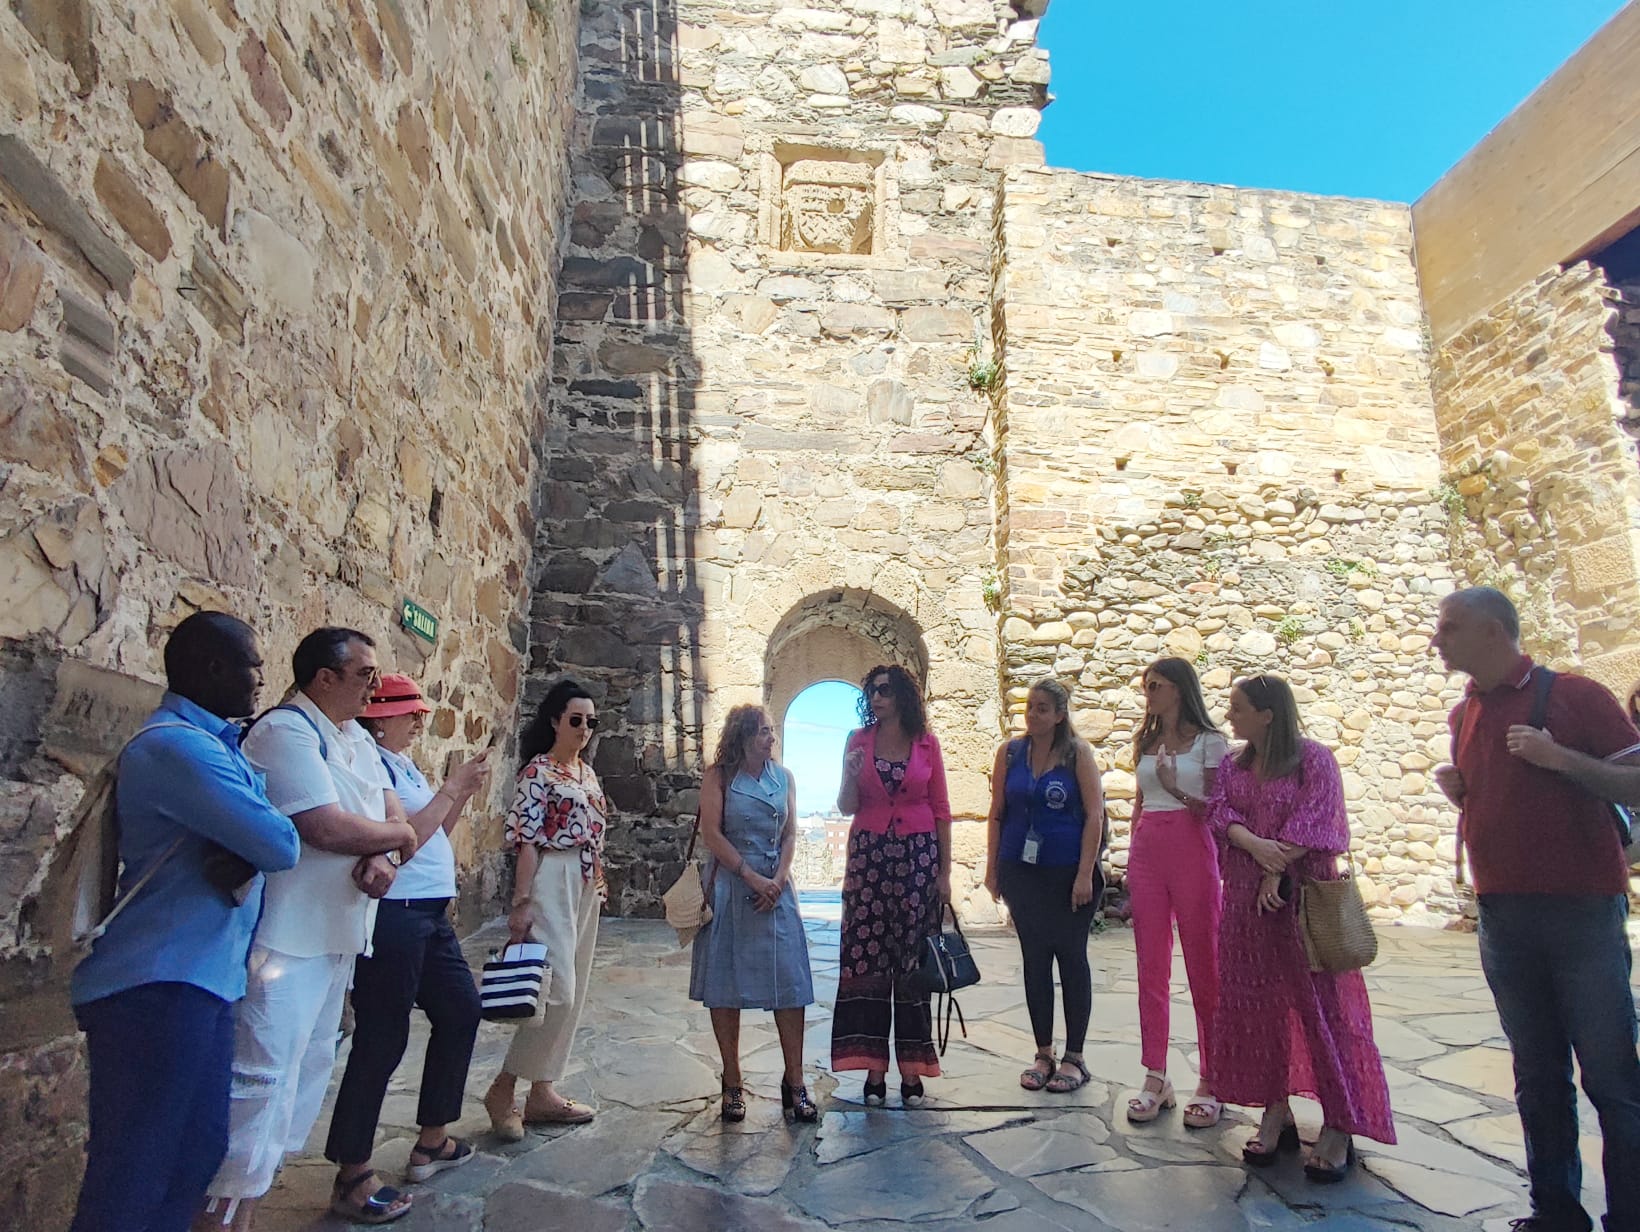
(838, 635)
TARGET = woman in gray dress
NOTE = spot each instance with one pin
(753, 955)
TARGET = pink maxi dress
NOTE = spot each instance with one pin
(1282, 1029)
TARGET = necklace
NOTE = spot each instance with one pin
(1181, 742)
(580, 770)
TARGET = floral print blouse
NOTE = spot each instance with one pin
(560, 809)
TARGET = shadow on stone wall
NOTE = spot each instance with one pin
(1621, 262)
(617, 603)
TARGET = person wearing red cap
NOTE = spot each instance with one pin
(415, 959)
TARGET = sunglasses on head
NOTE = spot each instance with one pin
(575, 720)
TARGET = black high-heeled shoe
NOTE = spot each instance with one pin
(796, 1104)
(876, 1094)
(911, 1093)
(1325, 1173)
(1288, 1141)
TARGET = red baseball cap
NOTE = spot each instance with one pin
(396, 694)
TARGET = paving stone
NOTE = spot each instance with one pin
(668, 1205)
(528, 1208)
(1034, 1150)
(752, 1157)
(845, 1134)
(649, 1075)
(1461, 1030)
(1410, 1095)
(1445, 1192)
(1486, 1070)
(1155, 1199)
(1034, 1221)
(914, 1181)
(608, 1153)
(1398, 1042)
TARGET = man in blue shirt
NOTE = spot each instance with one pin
(156, 995)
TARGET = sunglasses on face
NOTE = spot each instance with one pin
(881, 689)
(591, 720)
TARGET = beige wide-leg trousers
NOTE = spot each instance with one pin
(566, 914)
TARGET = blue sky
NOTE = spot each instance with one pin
(1374, 99)
(811, 741)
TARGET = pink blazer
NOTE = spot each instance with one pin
(921, 800)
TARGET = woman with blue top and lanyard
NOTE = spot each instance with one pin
(1046, 828)
(753, 954)
(415, 960)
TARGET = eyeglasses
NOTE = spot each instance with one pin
(372, 674)
(591, 720)
(881, 689)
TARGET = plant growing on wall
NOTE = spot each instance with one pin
(1341, 567)
(990, 589)
(1289, 629)
(984, 375)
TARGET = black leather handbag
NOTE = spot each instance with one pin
(946, 966)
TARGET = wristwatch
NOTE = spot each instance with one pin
(394, 858)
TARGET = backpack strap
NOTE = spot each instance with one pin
(124, 900)
(387, 763)
(324, 749)
(1542, 681)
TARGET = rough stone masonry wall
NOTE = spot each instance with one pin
(1541, 472)
(1218, 443)
(777, 278)
(276, 281)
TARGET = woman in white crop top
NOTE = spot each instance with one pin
(1173, 874)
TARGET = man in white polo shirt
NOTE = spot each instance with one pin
(323, 772)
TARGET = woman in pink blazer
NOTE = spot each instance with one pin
(897, 881)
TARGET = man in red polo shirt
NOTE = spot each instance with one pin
(1551, 883)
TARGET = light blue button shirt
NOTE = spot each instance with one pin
(190, 781)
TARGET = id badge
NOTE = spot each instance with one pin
(1028, 853)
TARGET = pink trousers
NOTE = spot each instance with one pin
(1173, 874)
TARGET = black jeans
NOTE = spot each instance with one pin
(1039, 899)
(415, 960)
(161, 1057)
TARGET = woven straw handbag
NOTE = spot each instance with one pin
(1333, 921)
(686, 906)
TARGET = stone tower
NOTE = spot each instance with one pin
(771, 450)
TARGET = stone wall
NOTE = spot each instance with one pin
(1538, 448)
(1216, 440)
(770, 459)
(276, 286)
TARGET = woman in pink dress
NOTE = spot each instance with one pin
(1281, 1029)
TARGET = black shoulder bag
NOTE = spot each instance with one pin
(946, 965)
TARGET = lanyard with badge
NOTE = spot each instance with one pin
(1032, 850)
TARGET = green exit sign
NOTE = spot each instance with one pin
(419, 621)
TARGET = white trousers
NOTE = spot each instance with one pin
(566, 913)
(284, 1049)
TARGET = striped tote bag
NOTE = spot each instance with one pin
(513, 982)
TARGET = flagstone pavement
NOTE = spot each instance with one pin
(982, 1153)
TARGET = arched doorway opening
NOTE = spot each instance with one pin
(815, 659)
(813, 733)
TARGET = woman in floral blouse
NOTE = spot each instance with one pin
(556, 825)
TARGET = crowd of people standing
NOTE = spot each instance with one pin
(304, 854)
